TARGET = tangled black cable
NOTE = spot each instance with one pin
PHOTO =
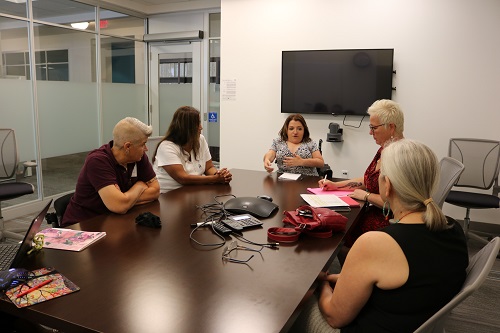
(212, 212)
(245, 240)
(215, 212)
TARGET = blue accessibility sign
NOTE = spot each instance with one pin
(212, 117)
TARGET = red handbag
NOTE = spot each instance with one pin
(314, 221)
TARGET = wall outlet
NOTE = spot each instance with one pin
(345, 173)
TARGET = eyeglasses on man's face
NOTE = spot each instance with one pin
(234, 246)
(373, 128)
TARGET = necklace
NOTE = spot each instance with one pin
(404, 215)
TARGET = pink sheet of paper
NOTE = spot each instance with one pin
(341, 194)
(319, 190)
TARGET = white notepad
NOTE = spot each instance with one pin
(289, 176)
(324, 200)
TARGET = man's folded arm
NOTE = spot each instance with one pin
(151, 193)
(118, 201)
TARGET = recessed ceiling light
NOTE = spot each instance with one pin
(80, 25)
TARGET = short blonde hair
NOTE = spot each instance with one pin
(130, 130)
(388, 112)
(413, 170)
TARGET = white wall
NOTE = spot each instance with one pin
(446, 55)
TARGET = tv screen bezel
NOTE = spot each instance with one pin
(386, 94)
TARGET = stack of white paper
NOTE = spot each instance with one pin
(324, 200)
(289, 176)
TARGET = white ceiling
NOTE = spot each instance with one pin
(165, 6)
(157, 2)
(70, 10)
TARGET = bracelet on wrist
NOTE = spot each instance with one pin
(366, 196)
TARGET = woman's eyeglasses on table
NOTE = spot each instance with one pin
(234, 246)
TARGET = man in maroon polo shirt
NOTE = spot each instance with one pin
(116, 176)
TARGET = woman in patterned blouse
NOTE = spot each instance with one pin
(294, 151)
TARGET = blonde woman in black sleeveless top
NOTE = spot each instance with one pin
(394, 279)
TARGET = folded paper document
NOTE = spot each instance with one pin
(343, 195)
(327, 200)
(289, 176)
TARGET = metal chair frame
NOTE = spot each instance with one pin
(481, 172)
(477, 271)
(8, 169)
(451, 169)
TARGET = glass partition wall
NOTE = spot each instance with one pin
(65, 81)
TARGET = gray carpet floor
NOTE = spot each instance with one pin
(59, 176)
(481, 311)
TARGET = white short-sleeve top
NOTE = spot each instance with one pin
(170, 153)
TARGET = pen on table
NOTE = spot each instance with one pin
(38, 286)
(323, 187)
(199, 224)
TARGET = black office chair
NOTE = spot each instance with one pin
(481, 159)
(60, 205)
(9, 187)
(325, 169)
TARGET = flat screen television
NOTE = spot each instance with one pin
(338, 82)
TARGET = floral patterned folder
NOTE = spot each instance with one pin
(44, 284)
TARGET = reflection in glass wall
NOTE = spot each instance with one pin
(124, 92)
(119, 24)
(65, 12)
(16, 110)
(61, 72)
(123, 77)
(67, 104)
(14, 8)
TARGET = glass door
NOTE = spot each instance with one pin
(175, 81)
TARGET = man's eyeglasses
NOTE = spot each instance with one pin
(373, 128)
(226, 254)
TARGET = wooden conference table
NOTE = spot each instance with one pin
(140, 279)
